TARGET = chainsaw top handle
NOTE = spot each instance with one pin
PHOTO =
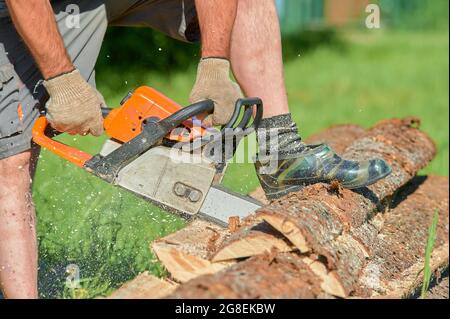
(207, 107)
(247, 104)
(176, 119)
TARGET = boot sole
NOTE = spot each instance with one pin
(277, 195)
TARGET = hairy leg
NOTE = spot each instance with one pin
(18, 244)
(256, 55)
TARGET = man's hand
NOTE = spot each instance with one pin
(74, 106)
(216, 19)
(214, 83)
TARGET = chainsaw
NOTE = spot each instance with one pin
(157, 150)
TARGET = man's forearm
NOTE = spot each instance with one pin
(216, 18)
(35, 22)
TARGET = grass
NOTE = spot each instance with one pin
(428, 251)
(107, 232)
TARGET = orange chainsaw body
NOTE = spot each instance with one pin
(125, 123)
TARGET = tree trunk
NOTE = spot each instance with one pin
(393, 270)
(335, 229)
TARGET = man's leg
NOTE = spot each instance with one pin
(18, 110)
(20, 89)
(256, 55)
(18, 248)
(284, 163)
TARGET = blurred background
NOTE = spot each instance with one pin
(337, 71)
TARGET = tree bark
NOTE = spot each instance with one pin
(395, 268)
(262, 277)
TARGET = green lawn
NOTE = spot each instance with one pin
(107, 232)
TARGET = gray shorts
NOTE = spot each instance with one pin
(22, 96)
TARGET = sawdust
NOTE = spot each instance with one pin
(234, 224)
(212, 241)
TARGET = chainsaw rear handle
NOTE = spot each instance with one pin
(67, 152)
(80, 158)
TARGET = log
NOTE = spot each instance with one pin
(395, 270)
(187, 259)
(185, 253)
(408, 220)
(339, 224)
(336, 223)
(254, 277)
(183, 263)
(144, 286)
(261, 277)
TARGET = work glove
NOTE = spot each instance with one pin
(214, 83)
(74, 105)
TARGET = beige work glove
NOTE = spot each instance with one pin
(214, 83)
(74, 105)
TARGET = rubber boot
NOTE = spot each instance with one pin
(316, 164)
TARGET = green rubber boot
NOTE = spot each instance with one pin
(316, 164)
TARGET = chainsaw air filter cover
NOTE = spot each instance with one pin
(147, 104)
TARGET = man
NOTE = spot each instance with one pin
(39, 41)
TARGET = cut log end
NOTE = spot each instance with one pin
(144, 286)
(255, 244)
(286, 228)
(184, 267)
(330, 282)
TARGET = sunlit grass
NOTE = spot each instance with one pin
(428, 252)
